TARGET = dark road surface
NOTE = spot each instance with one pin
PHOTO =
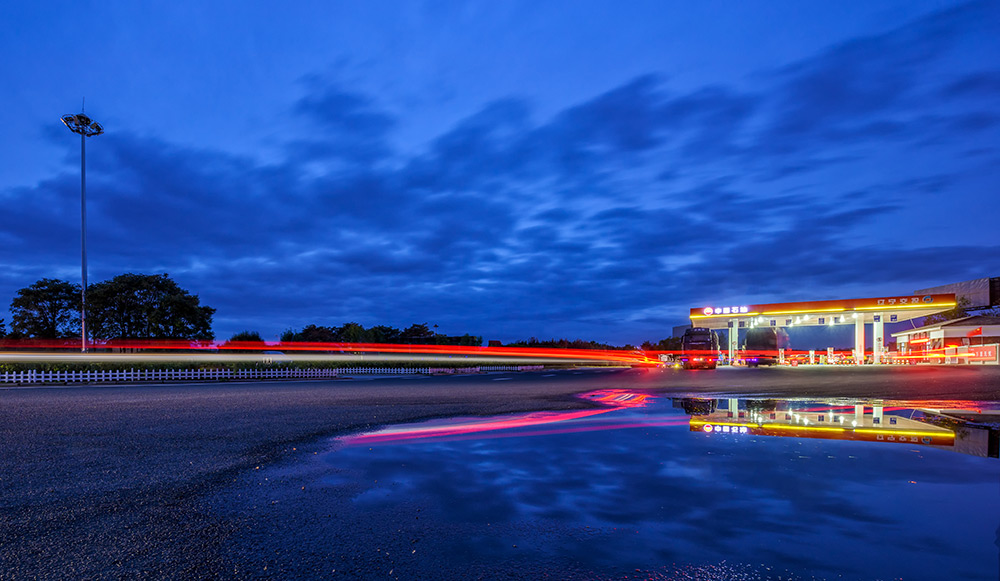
(133, 482)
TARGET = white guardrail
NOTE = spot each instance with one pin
(158, 375)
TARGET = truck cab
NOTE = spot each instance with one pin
(762, 344)
(699, 349)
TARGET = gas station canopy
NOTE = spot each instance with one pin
(842, 311)
(878, 311)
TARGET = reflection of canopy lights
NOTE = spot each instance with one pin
(917, 433)
(700, 424)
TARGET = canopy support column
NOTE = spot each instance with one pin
(878, 338)
(734, 337)
(859, 341)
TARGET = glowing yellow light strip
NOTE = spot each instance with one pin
(803, 427)
(904, 433)
(769, 426)
(884, 432)
(837, 310)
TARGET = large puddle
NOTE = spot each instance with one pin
(655, 487)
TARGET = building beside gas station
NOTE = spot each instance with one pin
(965, 340)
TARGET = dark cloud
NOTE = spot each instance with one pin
(623, 121)
(871, 88)
(482, 151)
(978, 84)
(345, 125)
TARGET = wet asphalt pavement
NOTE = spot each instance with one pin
(126, 482)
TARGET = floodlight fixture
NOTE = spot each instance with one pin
(85, 127)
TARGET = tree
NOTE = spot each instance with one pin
(138, 306)
(3, 328)
(668, 344)
(249, 339)
(351, 333)
(567, 344)
(48, 309)
(310, 334)
(417, 333)
(356, 333)
(246, 336)
(464, 340)
(960, 310)
(382, 334)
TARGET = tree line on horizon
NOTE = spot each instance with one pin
(415, 334)
(533, 342)
(138, 306)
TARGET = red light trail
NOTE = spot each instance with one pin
(136, 350)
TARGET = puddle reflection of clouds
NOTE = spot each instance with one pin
(827, 506)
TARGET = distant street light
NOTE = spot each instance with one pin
(86, 127)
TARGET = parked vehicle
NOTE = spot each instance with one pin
(699, 349)
(762, 344)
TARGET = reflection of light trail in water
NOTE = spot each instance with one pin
(491, 428)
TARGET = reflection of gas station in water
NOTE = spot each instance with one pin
(967, 431)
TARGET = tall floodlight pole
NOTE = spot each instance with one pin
(86, 127)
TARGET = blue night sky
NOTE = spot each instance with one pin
(509, 169)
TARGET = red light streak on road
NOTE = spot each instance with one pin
(942, 353)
